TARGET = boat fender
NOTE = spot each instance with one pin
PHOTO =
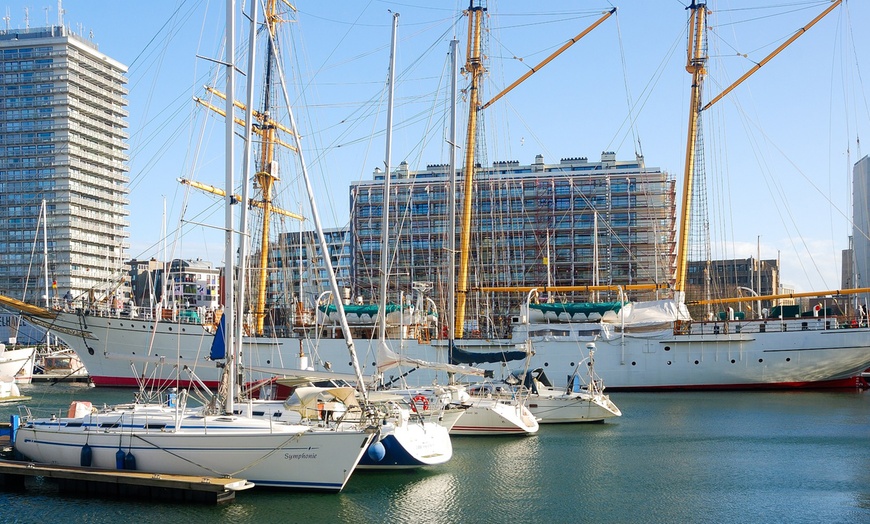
(129, 462)
(87, 456)
(420, 400)
(377, 451)
(119, 459)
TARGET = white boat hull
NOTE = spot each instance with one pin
(411, 445)
(18, 364)
(798, 356)
(495, 417)
(274, 455)
(571, 408)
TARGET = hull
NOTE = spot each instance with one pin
(18, 364)
(495, 417)
(404, 442)
(280, 456)
(412, 445)
(791, 354)
(572, 408)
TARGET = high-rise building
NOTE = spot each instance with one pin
(861, 223)
(571, 223)
(62, 136)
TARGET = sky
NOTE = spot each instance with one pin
(779, 148)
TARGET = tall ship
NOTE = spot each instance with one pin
(653, 344)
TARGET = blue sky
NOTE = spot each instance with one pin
(780, 146)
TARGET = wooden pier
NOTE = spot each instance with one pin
(124, 484)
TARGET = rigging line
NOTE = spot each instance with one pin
(634, 140)
(772, 184)
(853, 46)
(647, 91)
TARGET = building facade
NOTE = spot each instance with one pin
(302, 271)
(63, 138)
(190, 283)
(575, 222)
(861, 223)
(741, 277)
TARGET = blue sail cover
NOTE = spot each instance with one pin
(578, 307)
(218, 344)
(487, 355)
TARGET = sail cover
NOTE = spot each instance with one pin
(218, 344)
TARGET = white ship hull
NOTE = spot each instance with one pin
(810, 352)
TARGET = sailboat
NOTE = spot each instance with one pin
(214, 440)
(650, 345)
(583, 400)
(405, 439)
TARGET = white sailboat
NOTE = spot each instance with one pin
(583, 400)
(213, 440)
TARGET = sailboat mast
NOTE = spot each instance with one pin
(696, 62)
(45, 253)
(229, 235)
(451, 193)
(244, 239)
(474, 67)
(385, 214)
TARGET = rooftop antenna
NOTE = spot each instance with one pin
(60, 12)
(26, 19)
(46, 9)
(7, 18)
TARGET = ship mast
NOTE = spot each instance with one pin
(474, 67)
(267, 173)
(696, 66)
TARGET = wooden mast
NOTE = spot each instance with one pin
(474, 67)
(696, 65)
(696, 62)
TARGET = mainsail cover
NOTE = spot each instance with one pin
(387, 359)
(218, 343)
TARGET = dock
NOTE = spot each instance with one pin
(124, 484)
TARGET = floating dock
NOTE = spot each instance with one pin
(124, 484)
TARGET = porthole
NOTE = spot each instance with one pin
(350, 363)
(546, 364)
(761, 360)
(696, 362)
(269, 362)
(733, 361)
(669, 362)
(170, 329)
(633, 363)
(788, 359)
(572, 364)
(90, 350)
(667, 348)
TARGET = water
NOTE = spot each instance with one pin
(672, 457)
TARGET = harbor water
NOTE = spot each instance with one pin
(672, 457)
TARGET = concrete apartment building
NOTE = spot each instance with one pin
(63, 138)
